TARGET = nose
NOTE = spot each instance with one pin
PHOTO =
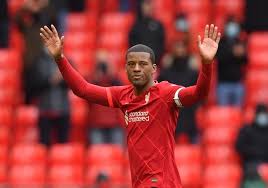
(137, 67)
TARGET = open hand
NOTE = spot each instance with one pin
(52, 41)
(209, 46)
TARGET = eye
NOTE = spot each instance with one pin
(131, 63)
(143, 63)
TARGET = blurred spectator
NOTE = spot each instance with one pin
(179, 67)
(102, 181)
(256, 15)
(104, 121)
(148, 31)
(181, 29)
(125, 5)
(4, 24)
(52, 100)
(62, 10)
(231, 60)
(33, 15)
(252, 144)
(76, 6)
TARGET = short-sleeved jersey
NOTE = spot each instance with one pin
(150, 120)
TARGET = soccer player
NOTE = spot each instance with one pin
(151, 109)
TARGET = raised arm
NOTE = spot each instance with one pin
(207, 49)
(75, 81)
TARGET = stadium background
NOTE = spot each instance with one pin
(212, 162)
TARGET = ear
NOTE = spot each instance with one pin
(154, 68)
(125, 68)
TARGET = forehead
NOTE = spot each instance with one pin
(138, 56)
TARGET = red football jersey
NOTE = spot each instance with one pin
(151, 120)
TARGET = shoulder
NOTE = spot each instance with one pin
(166, 85)
(167, 88)
(120, 90)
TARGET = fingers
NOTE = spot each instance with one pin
(44, 32)
(206, 31)
(62, 40)
(199, 40)
(43, 37)
(54, 30)
(211, 31)
(218, 38)
(48, 31)
(215, 33)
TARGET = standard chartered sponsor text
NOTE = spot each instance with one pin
(138, 116)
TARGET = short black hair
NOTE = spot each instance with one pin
(142, 48)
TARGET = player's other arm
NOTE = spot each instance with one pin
(75, 81)
(207, 49)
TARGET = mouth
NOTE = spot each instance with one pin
(136, 77)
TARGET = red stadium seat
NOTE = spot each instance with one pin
(10, 59)
(110, 6)
(197, 24)
(8, 97)
(114, 172)
(80, 40)
(256, 93)
(4, 135)
(225, 8)
(222, 174)
(220, 135)
(258, 59)
(113, 41)
(92, 6)
(222, 185)
(14, 6)
(164, 6)
(190, 175)
(215, 155)
(9, 79)
(32, 154)
(117, 60)
(100, 7)
(26, 116)
(81, 22)
(256, 77)
(25, 135)
(105, 154)
(65, 176)
(116, 22)
(6, 116)
(217, 116)
(188, 7)
(79, 110)
(257, 42)
(263, 171)
(27, 176)
(187, 154)
(3, 174)
(83, 61)
(67, 154)
(16, 40)
(3, 154)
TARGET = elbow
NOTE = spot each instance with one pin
(78, 92)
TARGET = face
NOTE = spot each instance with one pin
(180, 49)
(140, 69)
(147, 8)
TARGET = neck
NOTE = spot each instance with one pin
(141, 89)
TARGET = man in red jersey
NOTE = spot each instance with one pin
(151, 109)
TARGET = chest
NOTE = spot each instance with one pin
(141, 110)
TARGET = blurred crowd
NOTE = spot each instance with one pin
(97, 35)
